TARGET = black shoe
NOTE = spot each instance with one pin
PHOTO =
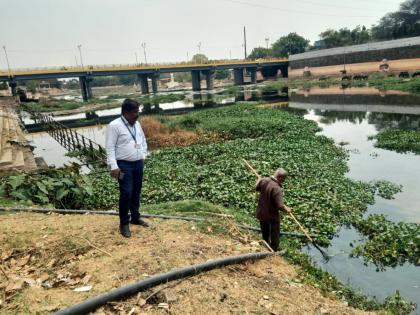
(125, 230)
(140, 222)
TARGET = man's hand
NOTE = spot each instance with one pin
(287, 209)
(115, 173)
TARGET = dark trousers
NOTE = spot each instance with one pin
(271, 233)
(130, 190)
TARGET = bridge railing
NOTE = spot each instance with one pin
(139, 66)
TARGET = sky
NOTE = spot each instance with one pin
(46, 33)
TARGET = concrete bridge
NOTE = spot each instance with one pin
(144, 72)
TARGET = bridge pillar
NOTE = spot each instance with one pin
(144, 84)
(238, 76)
(13, 85)
(155, 77)
(83, 87)
(253, 72)
(89, 87)
(196, 80)
(209, 74)
(284, 71)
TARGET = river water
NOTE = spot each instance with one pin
(351, 118)
(348, 116)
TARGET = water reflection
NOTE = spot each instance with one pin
(351, 119)
(193, 101)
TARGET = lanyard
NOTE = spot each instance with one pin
(133, 135)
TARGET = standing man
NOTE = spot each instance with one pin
(126, 150)
(269, 205)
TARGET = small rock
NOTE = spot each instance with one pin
(43, 277)
(83, 289)
(170, 297)
(141, 302)
(163, 305)
(15, 286)
(265, 297)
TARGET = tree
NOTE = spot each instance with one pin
(289, 45)
(182, 77)
(259, 53)
(403, 23)
(199, 58)
(222, 74)
(344, 37)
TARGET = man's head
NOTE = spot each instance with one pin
(130, 110)
(280, 175)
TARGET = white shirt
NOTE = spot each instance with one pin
(120, 143)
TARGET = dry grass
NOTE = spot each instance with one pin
(160, 136)
(44, 257)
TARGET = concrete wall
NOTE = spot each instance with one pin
(391, 50)
(396, 66)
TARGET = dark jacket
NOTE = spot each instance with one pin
(271, 200)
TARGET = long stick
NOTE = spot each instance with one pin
(251, 168)
(293, 217)
(301, 227)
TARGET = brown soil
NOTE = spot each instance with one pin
(160, 136)
(45, 257)
(356, 68)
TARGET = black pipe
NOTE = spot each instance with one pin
(74, 211)
(144, 215)
(129, 290)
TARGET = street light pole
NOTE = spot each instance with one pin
(137, 60)
(144, 51)
(75, 59)
(245, 42)
(7, 60)
(266, 42)
(80, 52)
(199, 47)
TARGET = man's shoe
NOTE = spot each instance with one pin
(125, 230)
(140, 222)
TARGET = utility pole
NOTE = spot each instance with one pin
(144, 51)
(266, 41)
(80, 52)
(245, 42)
(75, 59)
(230, 53)
(199, 47)
(137, 59)
(7, 60)
(188, 56)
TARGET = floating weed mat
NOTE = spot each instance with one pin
(385, 189)
(398, 140)
(317, 189)
(388, 243)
